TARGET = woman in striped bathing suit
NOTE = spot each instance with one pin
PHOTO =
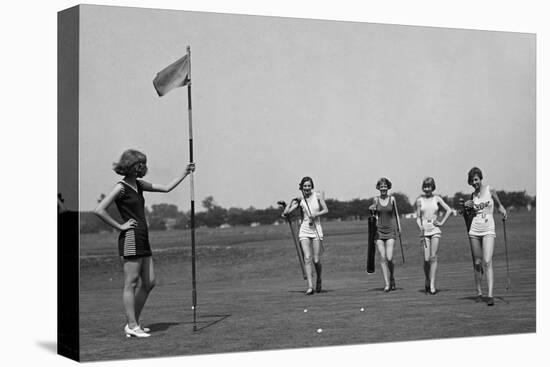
(133, 241)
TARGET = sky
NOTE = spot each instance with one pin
(276, 99)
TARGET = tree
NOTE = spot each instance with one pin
(164, 210)
(208, 203)
(215, 215)
(158, 215)
(336, 209)
(517, 199)
(182, 221)
(237, 217)
(358, 208)
(403, 204)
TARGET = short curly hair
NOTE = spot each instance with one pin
(128, 163)
(472, 173)
(429, 181)
(304, 180)
(381, 181)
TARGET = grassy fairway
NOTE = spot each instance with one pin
(250, 292)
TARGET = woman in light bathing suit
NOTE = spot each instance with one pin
(427, 210)
(313, 206)
(482, 231)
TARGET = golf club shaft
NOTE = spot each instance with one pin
(314, 226)
(401, 245)
(282, 204)
(399, 233)
(298, 249)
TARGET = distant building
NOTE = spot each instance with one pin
(225, 225)
(170, 223)
(254, 224)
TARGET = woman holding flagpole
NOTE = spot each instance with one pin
(313, 206)
(427, 210)
(133, 241)
(482, 230)
(387, 226)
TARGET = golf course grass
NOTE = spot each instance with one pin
(250, 291)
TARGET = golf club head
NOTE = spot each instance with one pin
(281, 203)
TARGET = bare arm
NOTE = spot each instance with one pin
(290, 207)
(146, 186)
(101, 211)
(419, 215)
(324, 208)
(373, 205)
(445, 207)
(501, 208)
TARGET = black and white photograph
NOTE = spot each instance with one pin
(287, 136)
(238, 181)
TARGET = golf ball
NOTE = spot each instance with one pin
(192, 307)
(305, 310)
(362, 309)
(319, 331)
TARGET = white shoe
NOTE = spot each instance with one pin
(135, 332)
(146, 329)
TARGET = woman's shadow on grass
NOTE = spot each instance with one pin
(483, 299)
(162, 326)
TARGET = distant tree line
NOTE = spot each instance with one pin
(167, 216)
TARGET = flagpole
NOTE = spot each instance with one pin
(192, 183)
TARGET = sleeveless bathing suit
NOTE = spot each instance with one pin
(483, 224)
(428, 214)
(131, 205)
(306, 230)
(386, 227)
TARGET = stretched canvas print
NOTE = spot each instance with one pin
(242, 183)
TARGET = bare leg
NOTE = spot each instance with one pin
(146, 285)
(426, 248)
(475, 244)
(132, 270)
(306, 248)
(434, 247)
(317, 263)
(383, 262)
(488, 248)
(389, 255)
